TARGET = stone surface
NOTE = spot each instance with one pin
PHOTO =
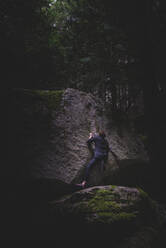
(48, 134)
(105, 205)
(121, 216)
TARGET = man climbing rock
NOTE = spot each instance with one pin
(100, 153)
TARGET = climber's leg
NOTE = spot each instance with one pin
(89, 166)
(103, 162)
(102, 165)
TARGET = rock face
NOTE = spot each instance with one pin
(48, 134)
(114, 214)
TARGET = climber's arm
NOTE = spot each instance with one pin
(89, 143)
(90, 135)
(91, 139)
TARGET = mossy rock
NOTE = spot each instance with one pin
(114, 214)
(108, 205)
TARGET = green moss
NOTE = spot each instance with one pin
(103, 200)
(105, 208)
(108, 217)
(98, 204)
(143, 194)
(52, 98)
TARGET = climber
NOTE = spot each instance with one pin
(100, 153)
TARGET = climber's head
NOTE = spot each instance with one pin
(102, 133)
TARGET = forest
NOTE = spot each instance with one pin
(114, 50)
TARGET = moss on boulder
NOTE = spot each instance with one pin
(111, 214)
(107, 205)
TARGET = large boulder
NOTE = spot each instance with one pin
(48, 131)
(114, 215)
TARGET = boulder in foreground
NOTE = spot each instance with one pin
(109, 213)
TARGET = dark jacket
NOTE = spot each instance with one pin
(101, 145)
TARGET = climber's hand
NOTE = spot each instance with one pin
(90, 135)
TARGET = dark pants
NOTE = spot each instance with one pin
(98, 158)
